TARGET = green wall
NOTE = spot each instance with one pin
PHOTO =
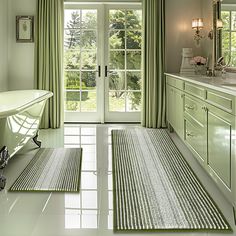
(179, 33)
(21, 55)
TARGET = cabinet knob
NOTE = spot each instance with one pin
(190, 134)
(182, 95)
(204, 108)
(189, 107)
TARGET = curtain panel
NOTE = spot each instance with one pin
(153, 61)
(49, 58)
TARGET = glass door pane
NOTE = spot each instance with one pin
(81, 64)
(123, 87)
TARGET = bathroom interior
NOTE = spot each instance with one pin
(198, 87)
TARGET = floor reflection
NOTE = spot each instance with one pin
(81, 210)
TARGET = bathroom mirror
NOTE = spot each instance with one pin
(225, 34)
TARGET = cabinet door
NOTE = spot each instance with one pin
(219, 145)
(175, 109)
(170, 105)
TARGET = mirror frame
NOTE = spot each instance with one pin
(217, 52)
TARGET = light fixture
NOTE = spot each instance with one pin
(197, 25)
(219, 24)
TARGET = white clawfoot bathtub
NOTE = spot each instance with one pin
(20, 114)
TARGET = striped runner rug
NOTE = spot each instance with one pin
(155, 189)
(51, 169)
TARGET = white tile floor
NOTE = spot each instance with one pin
(88, 212)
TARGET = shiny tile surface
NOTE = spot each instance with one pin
(89, 212)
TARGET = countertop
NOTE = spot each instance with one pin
(225, 84)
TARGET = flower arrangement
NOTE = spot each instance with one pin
(198, 60)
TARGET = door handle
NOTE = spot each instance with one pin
(99, 71)
(107, 71)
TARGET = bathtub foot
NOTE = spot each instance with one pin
(4, 157)
(36, 141)
(2, 182)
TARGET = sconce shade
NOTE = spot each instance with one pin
(197, 23)
(219, 24)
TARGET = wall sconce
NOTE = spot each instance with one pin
(219, 24)
(197, 25)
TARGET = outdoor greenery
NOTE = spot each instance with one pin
(125, 58)
(229, 36)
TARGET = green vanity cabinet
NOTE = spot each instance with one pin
(175, 108)
(220, 141)
(204, 118)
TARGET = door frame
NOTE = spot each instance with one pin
(116, 116)
(102, 115)
(73, 116)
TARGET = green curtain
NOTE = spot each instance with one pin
(153, 102)
(49, 58)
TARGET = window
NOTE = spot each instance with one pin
(228, 16)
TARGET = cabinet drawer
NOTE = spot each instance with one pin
(195, 110)
(175, 82)
(195, 137)
(221, 100)
(195, 90)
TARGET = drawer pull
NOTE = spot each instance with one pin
(190, 134)
(188, 107)
(204, 108)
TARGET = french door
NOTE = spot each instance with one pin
(102, 62)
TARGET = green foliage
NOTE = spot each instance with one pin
(229, 37)
(72, 59)
(134, 60)
(75, 96)
(116, 39)
(134, 19)
(134, 83)
(135, 100)
(72, 82)
(117, 19)
(117, 83)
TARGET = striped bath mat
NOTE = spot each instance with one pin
(51, 169)
(154, 187)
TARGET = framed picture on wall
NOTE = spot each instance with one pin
(24, 29)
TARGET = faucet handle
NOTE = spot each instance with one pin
(209, 72)
(220, 61)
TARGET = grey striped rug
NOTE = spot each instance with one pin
(51, 169)
(154, 187)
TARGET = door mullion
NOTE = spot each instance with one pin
(106, 60)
